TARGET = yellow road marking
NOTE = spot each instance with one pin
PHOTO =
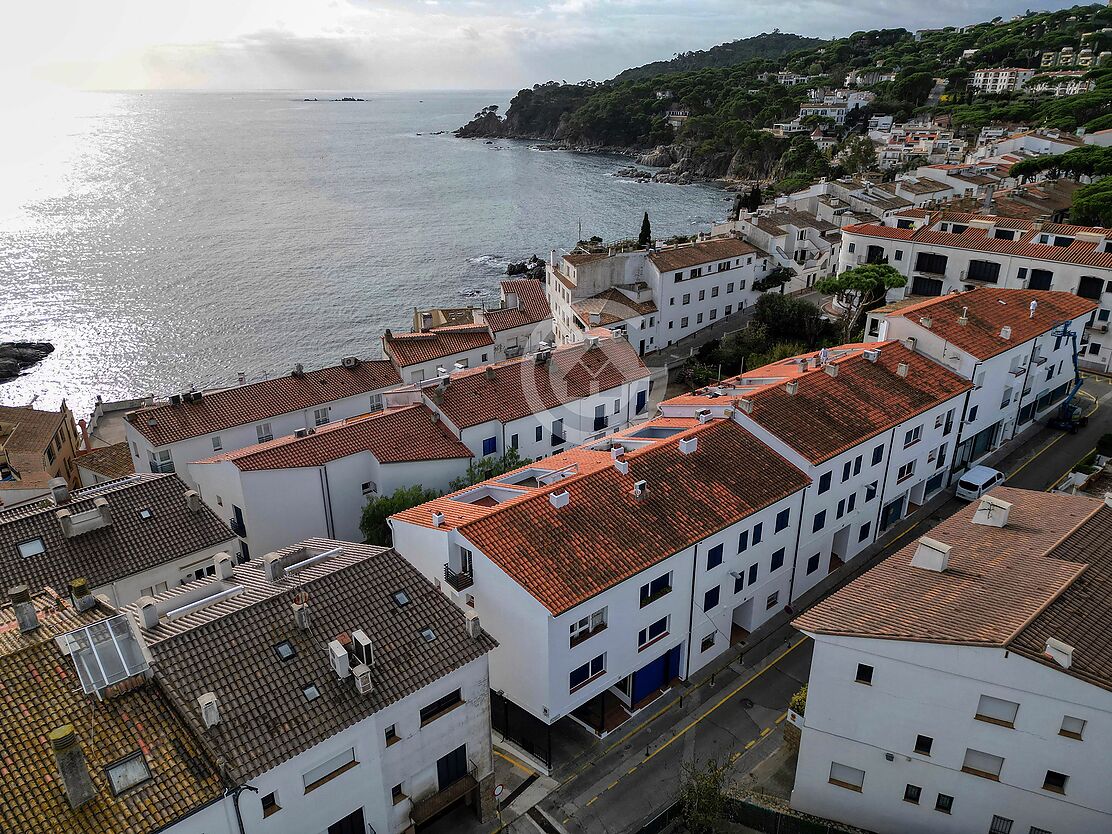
(750, 744)
(630, 771)
(1068, 471)
(724, 699)
(781, 718)
(1025, 464)
(611, 785)
(592, 801)
(765, 731)
(514, 762)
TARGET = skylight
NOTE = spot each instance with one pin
(285, 650)
(146, 513)
(401, 598)
(104, 653)
(34, 547)
(311, 692)
(127, 773)
(428, 634)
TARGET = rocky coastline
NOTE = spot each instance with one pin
(16, 357)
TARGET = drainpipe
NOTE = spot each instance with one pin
(691, 613)
(798, 536)
(326, 494)
(235, 792)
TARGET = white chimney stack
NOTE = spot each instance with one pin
(559, 499)
(272, 566)
(992, 512)
(1061, 653)
(1034, 306)
(831, 369)
(210, 710)
(621, 465)
(148, 611)
(791, 387)
(902, 369)
(474, 630)
(437, 519)
(193, 500)
(1006, 332)
(931, 555)
(688, 445)
(225, 565)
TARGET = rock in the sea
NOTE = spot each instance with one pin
(15, 357)
(658, 157)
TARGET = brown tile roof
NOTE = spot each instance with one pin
(707, 251)
(989, 310)
(128, 545)
(830, 414)
(39, 692)
(413, 348)
(110, 461)
(606, 535)
(228, 649)
(1046, 573)
(398, 435)
(248, 404)
(612, 306)
(580, 258)
(532, 306)
(33, 429)
(521, 387)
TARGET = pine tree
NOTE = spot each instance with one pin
(646, 236)
(754, 201)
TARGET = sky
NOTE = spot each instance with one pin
(406, 44)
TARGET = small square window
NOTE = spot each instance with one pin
(864, 673)
(34, 547)
(146, 513)
(912, 793)
(943, 803)
(285, 650)
(270, 804)
(401, 598)
(710, 598)
(1055, 781)
(428, 634)
(311, 692)
(128, 773)
(772, 600)
(391, 735)
(708, 643)
(1072, 727)
(397, 795)
(923, 745)
(813, 564)
(1000, 825)
(777, 560)
(714, 557)
(217, 443)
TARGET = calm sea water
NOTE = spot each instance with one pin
(176, 239)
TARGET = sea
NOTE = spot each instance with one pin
(174, 239)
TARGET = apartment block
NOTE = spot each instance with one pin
(989, 709)
(942, 252)
(1001, 79)
(36, 446)
(795, 240)
(167, 436)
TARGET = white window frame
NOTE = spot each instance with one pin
(264, 432)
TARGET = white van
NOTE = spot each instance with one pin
(977, 481)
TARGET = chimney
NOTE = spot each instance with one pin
(437, 519)
(704, 415)
(1061, 653)
(831, 369)
(931, 555)
(616, 451)
(791, 387)
(1034, 306)
(81, 596)
(925, 321)
(622, 466)
(872, 355)
(25, 613)
(488, 372)
(148, 611)
(688, 445)
(745, 405)
(992, 512)
(84, 429)
(639, 488)
(224, 564)
(70, 760)
(210, 710)
(902, 369)
(1006, 332)
(592, 342)
(272, 566)
(59, 491)
(300, 607)
(559, 499)
(910, 343)
(1108, 499)
(963, 319)
(474, 630)
(193, 500)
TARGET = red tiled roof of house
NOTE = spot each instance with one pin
(532, 306)
(606, 535)
(706, 251)
(830, 414)
(400, 435)
(426, 346)
(989, 310)
(1046, 573)
(612, 306)
(247, 404)
(519, 387)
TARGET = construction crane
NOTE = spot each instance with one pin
(1068, 417)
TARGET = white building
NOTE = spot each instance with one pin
(658, 295)
(166, 436)
(297, 672)
(1013, 344)
(1064, 83)
(523, 321)
(542, 403)
(317, 482)
(121, 539)
(1028, 143)
(941, 252)
(425, 354)
(1001, 79)
(987, 709)
(796, 240)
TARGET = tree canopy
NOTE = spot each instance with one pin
(374, 524)
(860, 289)
(484, 469)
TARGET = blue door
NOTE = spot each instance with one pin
(642, 398)
(655, 675)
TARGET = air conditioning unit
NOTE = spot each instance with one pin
(363, 683)
(362, 648)
(338, 659)
(350, 361)
(1104, 328)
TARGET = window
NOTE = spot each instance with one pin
(329, 770)
(310, 692)
(428, 634)
(270, 804)
(758, 533)
(1072, 727)
(490, 446)
(913, 436)
(653, 632)
(714, 557)
(440, 706)
(710, 598)
(128, 773)
(846, 470)
(708, 643)
(1041, 279)
(864, 674)
(972, 414)
(997, 711)
(943, 803)
(1090, 287)
(777, 560)
(375, 402)
(683, 322)
(870, 491)
(813, 563)
(931, 263)
(217, 445)
(742, 541)
(987, 271)
(905, 471)
(514, 443)
(391, 735)
(865, 530)
(923, 745)
(912, 793)
(782, 519)
(1000, 825)
(852, 247)
(588, 626)
(654, 590)
(33, 547)
(739, 581)
(687, 298)
(773, 598)
(699, 318)
(320, 416)
(714, 292)
(824, 482)
(844, 776)
(899, 255)
(1055, 781)
(819, 522)
(396, 794)
(539, 433)
(702, 295)
(981, 764)
(878, 454)
(857, 465)
(753, 572)
(285, 650)
(581, 675)
(730, 287)
(161, 461)
(368, 488)
(841, 508)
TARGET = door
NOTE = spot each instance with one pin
(453, 767)
(351, 824)
(642, 401)
(892, 513)
(650, 678)
(641, 350)
(925, 286)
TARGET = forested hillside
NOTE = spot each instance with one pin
(766, 45)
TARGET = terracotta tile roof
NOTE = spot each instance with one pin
(128, 545)
(606, 535)
(110, 461)
(39, 693)
(830, 414)
(580, 258)
(707, 251)
(1046, 573)
(228, 649)
(990, 309)
(532, 306)
(413, 348)
(612, 306)
(399, 435)
(248, 404)
(519, 387)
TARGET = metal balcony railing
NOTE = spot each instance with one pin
(460, 580)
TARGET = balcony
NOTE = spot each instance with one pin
(238, 527)
(586, 634)
(460, 581)
(557, 439)
(427, 807)
(601, 423)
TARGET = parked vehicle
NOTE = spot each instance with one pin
(977, 481)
